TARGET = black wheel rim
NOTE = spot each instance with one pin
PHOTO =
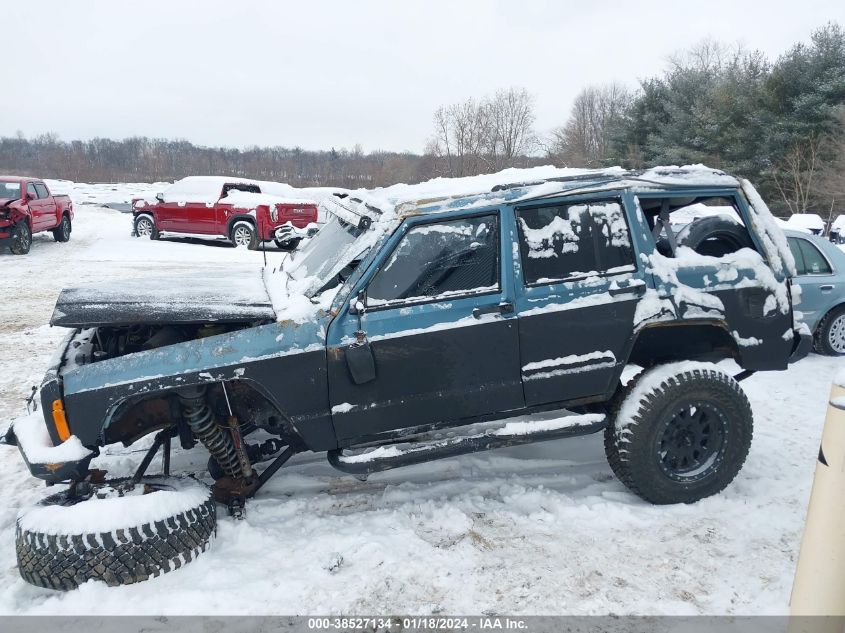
(692, 442)
(24, 239)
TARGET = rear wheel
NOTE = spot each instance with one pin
(62, 232)
(679, 433)
(830, 334)
(60, 546)
(21, 239)
(244, 234)
(145, 227)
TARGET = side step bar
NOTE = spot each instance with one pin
(398, 454)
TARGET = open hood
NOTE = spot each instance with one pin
(218, 296)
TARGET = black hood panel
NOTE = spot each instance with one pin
(224, 296)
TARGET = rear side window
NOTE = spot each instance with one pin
(440, 260)
(570, 241)
(239, 186)
(42, 190)
(808, 258)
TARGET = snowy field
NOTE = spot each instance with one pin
(543, 529)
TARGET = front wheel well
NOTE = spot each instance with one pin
(140, 416)
(664, 342)
(240, 218)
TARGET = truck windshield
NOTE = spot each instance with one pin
(10, 190)
(322, 257)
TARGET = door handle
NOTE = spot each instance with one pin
(504, 307)
(638, 289)
(826, 287)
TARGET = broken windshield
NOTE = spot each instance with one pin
(10, 190)
(321, 259)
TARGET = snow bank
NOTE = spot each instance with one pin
(116, 512)
(35, 441)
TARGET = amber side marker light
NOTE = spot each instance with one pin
(60, 420)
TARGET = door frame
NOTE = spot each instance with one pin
(421, 315)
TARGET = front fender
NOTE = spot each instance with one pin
(285, 361)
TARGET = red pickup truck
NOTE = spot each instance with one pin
(27, 207)
(248, 212)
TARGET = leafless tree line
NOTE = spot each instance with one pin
(142, 159)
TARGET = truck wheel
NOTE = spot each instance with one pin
(22, 239)
(116, 533)
(62, 232)
(244, 234)
(288, 245)
(830, 334)
(145, 227)
(679, 433)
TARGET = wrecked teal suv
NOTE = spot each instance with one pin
(404, 333)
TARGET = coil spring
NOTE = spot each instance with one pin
(199, 417)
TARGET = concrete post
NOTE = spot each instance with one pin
(819, 586)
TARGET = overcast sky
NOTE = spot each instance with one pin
(322, 74)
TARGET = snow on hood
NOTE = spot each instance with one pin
(238, 296)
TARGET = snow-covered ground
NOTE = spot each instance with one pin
(543, 529)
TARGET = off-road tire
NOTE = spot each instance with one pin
(62, 232)
(118, 557)
(288, 245)
(633, 451)
(22, 239)
(242, 227)
(153, 231)
(821, 339)
(714, 235)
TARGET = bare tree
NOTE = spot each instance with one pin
(511, 115)
(587, 136)
(795, 173)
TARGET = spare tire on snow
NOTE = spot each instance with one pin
(715, 236)
(116, 532)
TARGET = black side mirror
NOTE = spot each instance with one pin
(160, 197)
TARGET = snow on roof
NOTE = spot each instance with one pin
(838, 223)
(535, 182)
(249, 200)
(208, 188)
(810, 221)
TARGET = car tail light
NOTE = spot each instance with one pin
(60, 420)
